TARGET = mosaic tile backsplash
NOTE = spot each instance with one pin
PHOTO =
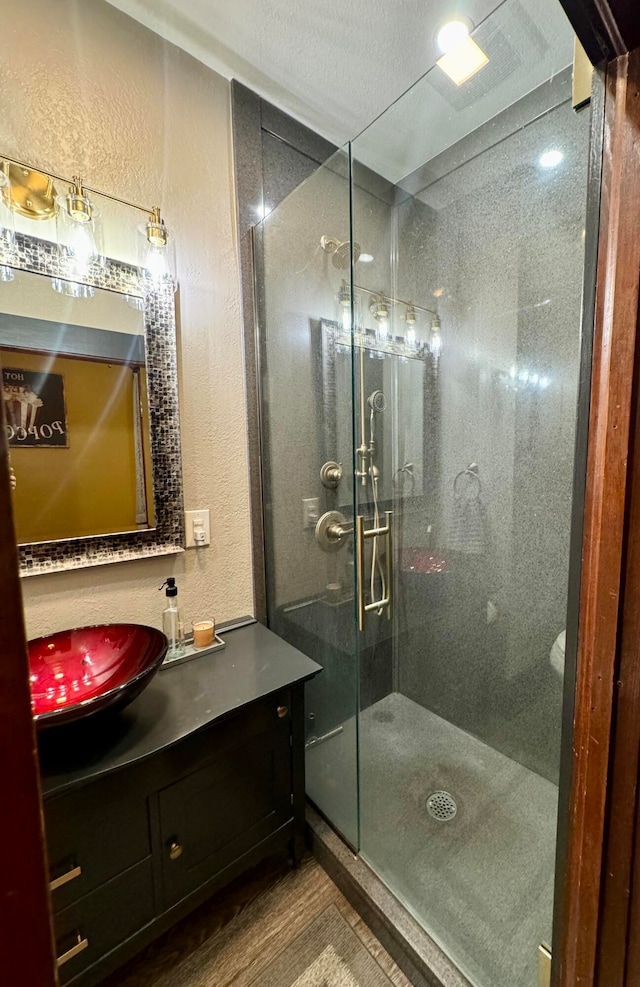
(42, 257)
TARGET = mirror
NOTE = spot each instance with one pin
(76, 408)
(409, 385)
(90, 405)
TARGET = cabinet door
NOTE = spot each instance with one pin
(213, 816)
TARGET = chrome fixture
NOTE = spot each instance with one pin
(331, 474)
(341, 251)
(332, 531)
(377, 401)
(386, 602)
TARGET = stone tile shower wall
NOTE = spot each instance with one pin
(509, 256)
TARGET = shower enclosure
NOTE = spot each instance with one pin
(419, 307)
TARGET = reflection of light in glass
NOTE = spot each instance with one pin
(435, 339)
(382, 330)
(551, 158)
(411, 336)
(365, 258)
(6, 273)
(512, 373)
(72, 289)
(346, 319)
(523, 376)
(544, 382)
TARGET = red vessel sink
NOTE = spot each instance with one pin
(79, 672)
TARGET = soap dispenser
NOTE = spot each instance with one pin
(172, 622)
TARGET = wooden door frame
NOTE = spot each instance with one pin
(600, 820)
(26, 935)
(608, 547)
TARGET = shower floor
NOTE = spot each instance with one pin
(481, 883)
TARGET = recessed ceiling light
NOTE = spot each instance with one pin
(463, 61)
(451, 35)
(551, 158)
(365, 258)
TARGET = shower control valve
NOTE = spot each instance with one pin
(331, 474)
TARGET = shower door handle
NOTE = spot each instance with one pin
(361, 534)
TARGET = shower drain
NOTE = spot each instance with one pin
(441, 806)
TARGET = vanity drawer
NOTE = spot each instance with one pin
(92, 927)
(224, 809)
(93, 834)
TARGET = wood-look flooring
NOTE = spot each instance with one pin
(239, 932)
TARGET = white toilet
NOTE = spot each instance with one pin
(556, 655)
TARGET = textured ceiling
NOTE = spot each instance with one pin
(333, 64)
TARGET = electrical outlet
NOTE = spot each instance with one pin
(197, 528)
(310, 511)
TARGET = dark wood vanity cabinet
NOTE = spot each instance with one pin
(150, 812)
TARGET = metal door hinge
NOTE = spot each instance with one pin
(544, 965)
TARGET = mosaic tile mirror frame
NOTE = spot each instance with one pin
(167, 536)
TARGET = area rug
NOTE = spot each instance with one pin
(327, 954)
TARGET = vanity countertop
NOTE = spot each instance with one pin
(179, 701)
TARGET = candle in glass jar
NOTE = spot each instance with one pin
(203, 633)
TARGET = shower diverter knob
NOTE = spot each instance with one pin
(332, 531)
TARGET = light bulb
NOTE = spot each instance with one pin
(383, 329)
(411, 336)
(81, 249)
(156, 264)
(451, 35)
(435, 339)
(346, 319)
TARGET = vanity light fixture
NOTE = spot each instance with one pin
(72, 223)
(79, 232)
(411, 319)
(157, 258)
(461, 56)
(380, 311)
(7, 229)
(435, 338)
(343, 306)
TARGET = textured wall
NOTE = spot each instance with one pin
(96, 93)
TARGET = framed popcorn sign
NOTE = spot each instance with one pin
(34, 408)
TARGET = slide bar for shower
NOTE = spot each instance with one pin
(361, 534)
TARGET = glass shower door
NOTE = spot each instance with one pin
(468, 209)
(302, 256)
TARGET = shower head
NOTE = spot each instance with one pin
(341, 250)
(377, 401)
